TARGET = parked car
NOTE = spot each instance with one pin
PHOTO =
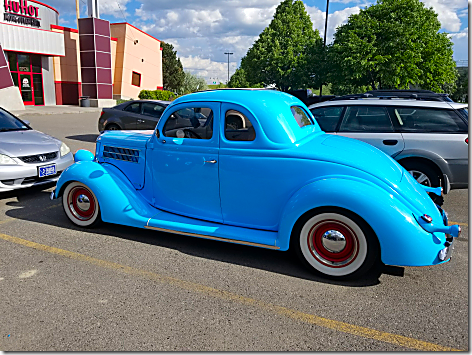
(276, 181)
(426, 95)
(28, 157)
(428, 138)
(134, 114)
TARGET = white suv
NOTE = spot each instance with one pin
(428, 138)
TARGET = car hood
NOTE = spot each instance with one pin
(28, 142)
(128, 139)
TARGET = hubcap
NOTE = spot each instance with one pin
(81, 203)
(421, 177)
(333, 243)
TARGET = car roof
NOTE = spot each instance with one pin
(271, 108)
(392, 102)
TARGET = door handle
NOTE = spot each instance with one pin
(141, 121)
(211, 161)
(390, 142)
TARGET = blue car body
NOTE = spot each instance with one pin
(257, 190)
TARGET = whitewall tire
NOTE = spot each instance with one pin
(335, 244)
(81, 205)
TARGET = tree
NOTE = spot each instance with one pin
(172, 69)
(238, 80)
(284, 54)
(461, 91)
(191, 83)
(392, 44)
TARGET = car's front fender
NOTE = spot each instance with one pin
(402, 240)
(118, 200)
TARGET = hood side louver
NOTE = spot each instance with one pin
(117, 153)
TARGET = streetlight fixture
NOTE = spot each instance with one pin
(324, 40)
(228, 53)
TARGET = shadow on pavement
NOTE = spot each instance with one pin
(84, 137)
(51, 213)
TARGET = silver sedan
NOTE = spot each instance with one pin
(28, 157)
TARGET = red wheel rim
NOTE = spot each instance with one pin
(327, 257)
(81, 203)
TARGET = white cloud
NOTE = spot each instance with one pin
(447, 12)
(461, 44)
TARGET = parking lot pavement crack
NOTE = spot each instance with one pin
(343, 327)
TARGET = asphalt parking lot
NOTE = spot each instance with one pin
(119, 288)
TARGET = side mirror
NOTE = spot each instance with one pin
(27, 122)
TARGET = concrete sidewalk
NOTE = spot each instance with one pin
(53, 110)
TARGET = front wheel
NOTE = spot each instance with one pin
(336, 244)
(81, 205)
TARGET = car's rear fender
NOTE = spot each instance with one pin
(402, 240)
(118, 200)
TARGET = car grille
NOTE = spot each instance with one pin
(131, 155)
(39, 158)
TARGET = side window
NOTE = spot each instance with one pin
(300, 116)
(238, 127)
(190, 122)
(366, 119)
(416, 119)
(153, 110)
(134, 108)
(328, 117)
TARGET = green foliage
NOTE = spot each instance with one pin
(460, 93)
(191, 83)
(392, 44)
(163, 95)
(238, 80)
(285, 52)
(120, 101)
(217, 86)
(172, 69)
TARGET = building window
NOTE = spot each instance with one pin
(136, 79)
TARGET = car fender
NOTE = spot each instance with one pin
(428, 155)
(118, 200)
(402, 240)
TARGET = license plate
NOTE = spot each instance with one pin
(47, 170)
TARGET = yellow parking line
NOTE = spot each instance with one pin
(225, 295)
(461, 224)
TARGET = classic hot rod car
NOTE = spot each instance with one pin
(253, 167)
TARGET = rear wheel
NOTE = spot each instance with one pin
(423, 173)
(81, 205)
(335, 243)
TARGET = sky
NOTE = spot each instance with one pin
(203, 30)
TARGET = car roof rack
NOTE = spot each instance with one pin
(423, 95)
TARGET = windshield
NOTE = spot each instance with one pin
(8, 122)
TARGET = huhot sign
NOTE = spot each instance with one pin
(22, 13)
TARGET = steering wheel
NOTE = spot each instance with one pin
(191, 134)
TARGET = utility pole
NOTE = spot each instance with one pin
(77, 11)
(324, 40)
(228, 53)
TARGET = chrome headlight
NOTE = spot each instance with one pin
(64, 149)
(6, 160)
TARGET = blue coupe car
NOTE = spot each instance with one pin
(253, 167)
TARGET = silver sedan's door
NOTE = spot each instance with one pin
(372, 124)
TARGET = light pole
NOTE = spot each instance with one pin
(228, 53)
(324, 40)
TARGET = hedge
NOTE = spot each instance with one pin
(156, 95)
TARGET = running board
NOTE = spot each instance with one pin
(213, 238)
(172, 223)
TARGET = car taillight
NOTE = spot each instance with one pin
(467, 140)
(102, 113)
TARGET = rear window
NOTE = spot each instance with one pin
(416, 119)
(464, 112)
(300, 116)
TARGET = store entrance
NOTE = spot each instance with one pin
(26, 73)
